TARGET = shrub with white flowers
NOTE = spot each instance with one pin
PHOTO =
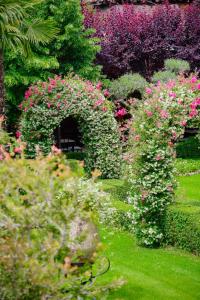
(158, 123)
(46, 104)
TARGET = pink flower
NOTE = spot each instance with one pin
(121, 112)
(20, 106)
(172, 95)
(104, 108)
(99, 102)
(183, 123)
(193, 79)
(58, 96)
(17, 150)
(106, 93)
(99, 85)
(174, 135)
(28, 94)
(158, 157)
(149, 113)
(170, 144)
(164, 114)
(50, 89)
(55, 150)
(18, 134)
(1, 157)
(193, 113)
(49, 105)
(198, 86)
(148, 91)
(180, 101)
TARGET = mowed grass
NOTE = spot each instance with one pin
(155, 274)
(150, 273)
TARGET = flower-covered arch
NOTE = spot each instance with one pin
(48, 103)
(158, 123)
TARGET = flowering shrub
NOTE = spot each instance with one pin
(40, 205)
(157, 125)
(140, 40)
(48, 103)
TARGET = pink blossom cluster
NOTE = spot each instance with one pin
(194, 105)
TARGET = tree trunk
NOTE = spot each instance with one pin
(2, 88)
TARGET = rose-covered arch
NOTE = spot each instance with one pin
(158, 123)
(48, 103)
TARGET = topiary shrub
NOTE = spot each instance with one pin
(48, 103)
(181, 229)
(48, 241)
(127, 86)
(163, 76)
(176, 66)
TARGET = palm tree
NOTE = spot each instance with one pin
(18, 32)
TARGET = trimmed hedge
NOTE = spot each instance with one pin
(188, 148)
(182, 229)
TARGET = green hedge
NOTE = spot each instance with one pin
(182, 228)
(188, 148)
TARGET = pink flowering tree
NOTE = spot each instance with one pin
(158, 123)
(46, 104)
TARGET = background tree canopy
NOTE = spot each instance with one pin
(71, 50)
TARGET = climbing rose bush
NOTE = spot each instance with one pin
(46, 104)
(157, 125)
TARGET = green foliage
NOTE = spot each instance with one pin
(40, 205)
(48, 103)
(163, 76)
(73, 50)
(176, 66)
(188, 148)
(128, 85)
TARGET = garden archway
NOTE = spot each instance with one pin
(158, 123)
(47, 104)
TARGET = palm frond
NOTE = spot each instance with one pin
(40, 31)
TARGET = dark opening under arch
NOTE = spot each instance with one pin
(68, 137)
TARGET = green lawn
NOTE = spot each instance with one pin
(150, 274)
(158, 273)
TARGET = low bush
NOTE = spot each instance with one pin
(176, 66)
(48, 238)
(182, 229)
(127, 86)
(163, 76)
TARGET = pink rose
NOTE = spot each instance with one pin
(106, 93)
(183, 123)
(121, 112)
(148, 91)
(99, 85)
(193, 79)
(17, 150)
(18, 134)
(149, 113)
(164, 114)
(172, 95)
